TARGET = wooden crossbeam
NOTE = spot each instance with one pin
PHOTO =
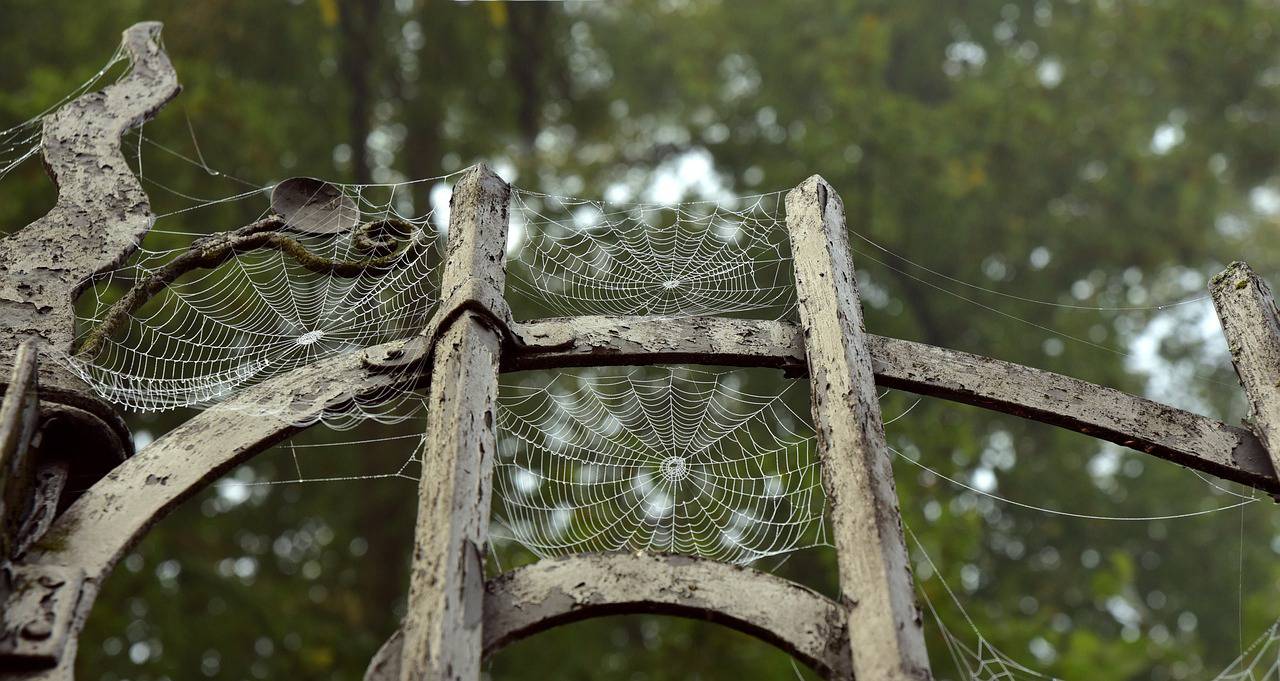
(1173, 434)
(1251, 323)
(442, 629)
(884, 624)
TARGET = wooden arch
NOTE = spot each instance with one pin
(455, 617)
(558, 591)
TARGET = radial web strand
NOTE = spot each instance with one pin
(262, 312)
(22, 141)
(666, 460)
(976, 658)
(584, 257)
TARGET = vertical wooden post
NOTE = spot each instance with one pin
(885, 633)
(19, 414)
(1251, 324)
(446, 589)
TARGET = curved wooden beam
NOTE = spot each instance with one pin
(109, 517)
(114, 514)
(1173, 434)
(101, 213)
(1188, 439)
(552, 592)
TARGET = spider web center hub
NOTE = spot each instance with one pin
(674, 469)
(309, 337)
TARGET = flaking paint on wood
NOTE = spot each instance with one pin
(885, 632)
(442, 630)
(1251, 323)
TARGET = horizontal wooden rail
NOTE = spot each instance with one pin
(557, 591)
(605, 341)
(1185, 438)
(1177, 435)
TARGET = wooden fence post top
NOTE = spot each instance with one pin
(477, 245)
(814, 188)
(1251, 324)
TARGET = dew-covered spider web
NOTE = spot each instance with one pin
(588, 257)
(671, 460)
(325, 283)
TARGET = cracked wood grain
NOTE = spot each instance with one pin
(442, 631)
(101, 212)
(559, 591)
(1251, 323)
(886, 637)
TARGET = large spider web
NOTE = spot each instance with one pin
(261, 312)
(666, 460)
(587, 257)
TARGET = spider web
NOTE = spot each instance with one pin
(587, 257)
(670, 460)
(261, 313)
(976, 658)
(21, 142)
(1260, 661)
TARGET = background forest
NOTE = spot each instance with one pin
(1041, 181)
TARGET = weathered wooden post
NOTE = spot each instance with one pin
(1251, 324)
(885, 633)
(442, 629)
